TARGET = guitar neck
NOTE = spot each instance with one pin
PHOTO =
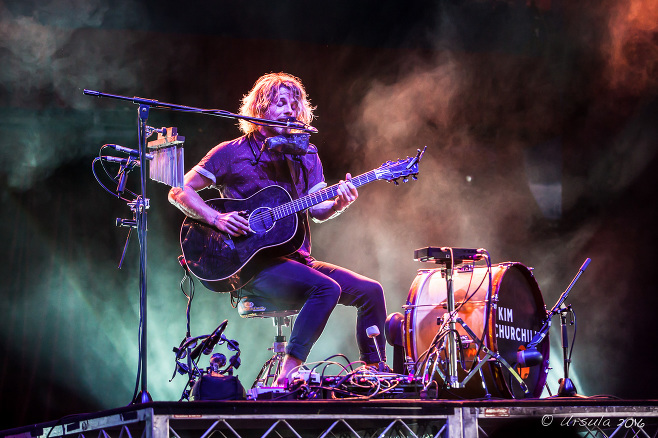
(315, 198)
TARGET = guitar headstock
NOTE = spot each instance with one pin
(394, 170)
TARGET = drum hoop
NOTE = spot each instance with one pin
(491, 329)
(410, 313)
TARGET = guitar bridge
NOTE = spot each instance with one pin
(228, 240)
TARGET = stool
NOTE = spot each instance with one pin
(257, 307)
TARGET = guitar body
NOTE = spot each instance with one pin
(220, 260)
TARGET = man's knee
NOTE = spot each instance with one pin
(329, 290)
(370, 295)
(374, 291)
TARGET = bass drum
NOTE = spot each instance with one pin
(515, 313)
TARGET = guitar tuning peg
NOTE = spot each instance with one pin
(414, 177)
(395, 181)
(404, 180)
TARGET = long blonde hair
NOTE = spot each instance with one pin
(266, 91)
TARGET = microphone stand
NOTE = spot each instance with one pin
(292, 124)
(567, 387)
(142, 227)
(142, 203)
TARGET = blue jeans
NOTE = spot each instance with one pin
(316, 289)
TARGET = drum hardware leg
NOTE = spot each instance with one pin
(488, 353)
(432, 367)
(428, 363)
(487, 394)
(432, 363)
(478, 368)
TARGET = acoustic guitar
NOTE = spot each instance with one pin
(222, 262)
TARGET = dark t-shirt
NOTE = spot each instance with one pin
(233, 170)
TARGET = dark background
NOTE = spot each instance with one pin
(540, 122)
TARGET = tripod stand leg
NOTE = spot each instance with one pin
(431, 367)
(487, 394)
(489, 353)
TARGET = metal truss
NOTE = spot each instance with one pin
(459, 421)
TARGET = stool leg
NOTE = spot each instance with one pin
(271, 369)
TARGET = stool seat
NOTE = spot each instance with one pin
(257, 307)
(282, 316)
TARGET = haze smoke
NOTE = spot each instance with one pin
(49, 57)
(494, 123)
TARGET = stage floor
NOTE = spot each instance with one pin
(595, 417)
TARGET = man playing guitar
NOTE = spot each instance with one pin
(241, 167)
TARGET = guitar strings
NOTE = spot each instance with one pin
(281, 211)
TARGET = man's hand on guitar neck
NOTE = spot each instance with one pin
(347, 194)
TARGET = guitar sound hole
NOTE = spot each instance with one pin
(261, 220)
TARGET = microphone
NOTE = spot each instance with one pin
(208, 345)
(293, 123)
(531, 356)
(131, 152)
(291, 144)
(212, 342)
(373, 332)
(122, 161)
